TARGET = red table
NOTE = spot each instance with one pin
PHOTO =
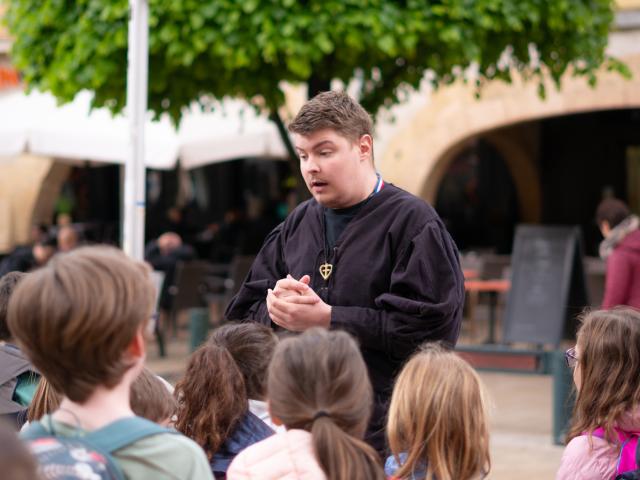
(493, 288)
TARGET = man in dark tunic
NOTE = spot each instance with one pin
(362, 255)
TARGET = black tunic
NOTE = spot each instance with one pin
(396, 279)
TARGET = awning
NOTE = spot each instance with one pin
(34, 123)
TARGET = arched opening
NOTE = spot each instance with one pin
(551, 171)
(477, 199)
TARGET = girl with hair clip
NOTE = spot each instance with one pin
(606, 416)
(221, 396)
(319, 390)
(437, 425)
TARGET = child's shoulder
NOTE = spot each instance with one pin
(169, 454)
(586, 459)
(166, 454)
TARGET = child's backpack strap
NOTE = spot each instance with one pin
(123, 432)
(629, 456)
(34, 431)
(60, 453)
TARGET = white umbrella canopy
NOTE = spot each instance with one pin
(233, 130)
(34, 123)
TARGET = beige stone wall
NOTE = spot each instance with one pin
(416, 157)
(628, 4)
(26, 181)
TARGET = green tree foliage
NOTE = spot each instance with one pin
(202, 49)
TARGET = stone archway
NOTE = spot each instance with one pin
(417, 156)
(28, 186)
(517, 146)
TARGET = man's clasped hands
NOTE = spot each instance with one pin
(294, 305)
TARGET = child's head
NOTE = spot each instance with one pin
(222, 375)
(16, 462)
(606, 372)
(437, 417)
(80, 319)
(8, 283)
(318, 382)
(151, 399)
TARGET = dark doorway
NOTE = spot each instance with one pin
(477, 199)
(582, 159)
(90, 198)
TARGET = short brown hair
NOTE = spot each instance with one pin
(613, 211)
(8, 284)
(76, 317)
(332, 110)
(318, 382)
(151, 399)
(438, 417)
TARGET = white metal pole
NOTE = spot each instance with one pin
(134, 174)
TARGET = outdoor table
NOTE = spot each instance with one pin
(470, 273)
(493, 288)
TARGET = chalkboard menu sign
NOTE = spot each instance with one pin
(547, 284)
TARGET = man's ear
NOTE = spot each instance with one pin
(275, 420)
(365, 146)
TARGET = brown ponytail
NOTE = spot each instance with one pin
(318, 382)
(220, 378)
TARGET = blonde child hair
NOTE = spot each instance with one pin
(438, 419)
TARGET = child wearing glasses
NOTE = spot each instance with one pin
(606, 420)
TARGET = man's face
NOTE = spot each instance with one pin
(334, 168)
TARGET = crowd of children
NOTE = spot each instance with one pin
(253, 406)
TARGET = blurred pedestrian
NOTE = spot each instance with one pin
(67, 238)
(164, 254)
(621, 249)
(26, 258)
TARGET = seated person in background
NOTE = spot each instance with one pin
(81, 320)
(319, 389)
(67, 238)
(16, 462)
(150, 398)
(24, 259)
(18, 378)
(621, 249)
(437, 425)
(163, 254)
(225, 378)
